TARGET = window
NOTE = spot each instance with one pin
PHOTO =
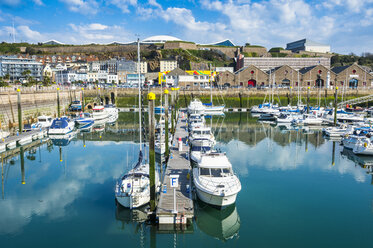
(204, 172)
(216, 172)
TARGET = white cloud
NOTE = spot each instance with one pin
(25, 33)
(86, 7)
(123, 4)
(38, 2)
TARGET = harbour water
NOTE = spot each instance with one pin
(297, 191)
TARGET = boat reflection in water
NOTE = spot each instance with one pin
(62, 140)
(222, 224)
(365, 162)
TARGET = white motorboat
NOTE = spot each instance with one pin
(266, 108)
(350, 141)
(43, 122)
(99, 113)
(62, 125)
(112, 111)
(196, 107)
(363, 146)
(334, 131)
(196, 123)
(85, 119)
(133, 189)
(287, 117)
(308, 119)
(201, 133)
(197, 151)
(215, 182)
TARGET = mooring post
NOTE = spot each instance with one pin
(22, 155)
(335, 105)
(166, 153)
(308, 100)
(172, 110)
(19, 111)
(151, 100)
(58, 103)
(83, 104)
(333, 154)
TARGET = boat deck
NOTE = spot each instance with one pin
(178, 164)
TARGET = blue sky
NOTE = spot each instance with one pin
(347, 25)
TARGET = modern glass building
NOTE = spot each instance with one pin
(14, 67)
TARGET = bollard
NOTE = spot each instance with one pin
(180, 143)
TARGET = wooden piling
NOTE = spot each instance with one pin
(58, 103)
(151, 100)
(308, 100)
(19, 111)
(335, 105)
(22, 155)
(166, 123)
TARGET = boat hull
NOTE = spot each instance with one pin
(131, 202)
(216, 200)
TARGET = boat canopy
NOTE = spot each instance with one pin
(214, 160)
(208, 104)
(62, 122)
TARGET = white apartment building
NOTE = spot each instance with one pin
(94, 66)
(143, 67)
(92, 77)
(112, 78)
(167, 65)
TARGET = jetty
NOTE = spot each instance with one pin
(21, 139)
(178, 164)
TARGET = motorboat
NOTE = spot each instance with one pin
(285, 117)
(198, 150)
(196, 123)
(267, 117)
(203, 133)
(308, 119)
(63, 125)
(334, 131)
(363, 146)
(75, 106)
(111, 110)
(196, 107)
(43, 122)
(159, 110)
(266, 108)
(215, 182)
(133, 189)
(99, 113)
(85, 119)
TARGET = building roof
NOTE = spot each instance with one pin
(226, 42)
(177, 72)
(53, 42)
(159, 39)
(338, 69)
(306, 69)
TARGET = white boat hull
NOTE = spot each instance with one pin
(216, 200)
(133, 201)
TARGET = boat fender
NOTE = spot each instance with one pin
(365, 144)
(188, 176)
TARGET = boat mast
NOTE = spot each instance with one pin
(138, 72)
(210, 87)
(298, 90)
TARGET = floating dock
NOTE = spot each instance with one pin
(178, 164)
(21, 139)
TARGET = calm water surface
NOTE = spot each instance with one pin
(293, 195)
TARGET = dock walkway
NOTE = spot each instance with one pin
(178, 164)
(21, 139)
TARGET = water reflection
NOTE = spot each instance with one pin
(222, 224)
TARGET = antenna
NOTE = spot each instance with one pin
(14, 33)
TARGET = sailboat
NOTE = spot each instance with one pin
(210, 109)
(133, 188)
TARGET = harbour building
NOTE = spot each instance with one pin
(307, 46)
(15, 68)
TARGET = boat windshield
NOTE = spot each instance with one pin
(215, 172)
(201, 148)
(42, 120)
(59, 123)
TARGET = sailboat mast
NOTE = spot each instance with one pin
(138, 72)
(298, 90)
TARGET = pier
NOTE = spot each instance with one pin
(178, 164)
(21, 139)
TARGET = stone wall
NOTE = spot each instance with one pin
(182, 45)
(260, 51)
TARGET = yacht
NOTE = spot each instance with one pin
(61, 125)
(287, 117)
(133, 189)
(112, 111)
(196, 107)
(198, 150)
(308, 119)
(363, 146)
(43, 122)
(334, 131)
(215, 182)
(99, 113)
(201, 133)
(75, 106)
(85, 119)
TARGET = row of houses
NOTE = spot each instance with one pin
(313, 76)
